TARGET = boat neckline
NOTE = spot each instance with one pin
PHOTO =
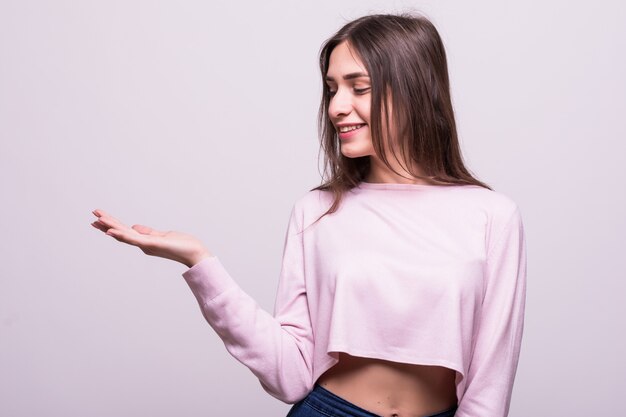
(403, 186)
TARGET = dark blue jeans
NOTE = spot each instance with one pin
(322, 403)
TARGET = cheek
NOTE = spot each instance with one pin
(364, 109)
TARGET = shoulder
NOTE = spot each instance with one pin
(496, 203)
(313, 201)
(308, 206)
(497, 210)
(498, 207)
(503, 215)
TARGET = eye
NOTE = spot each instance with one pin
(331, 93)
(361, 90)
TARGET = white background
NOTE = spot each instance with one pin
(200, 117)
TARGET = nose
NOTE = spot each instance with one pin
(340, 104)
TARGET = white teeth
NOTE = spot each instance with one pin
(344, 129)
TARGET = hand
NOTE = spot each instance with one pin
(179, 247)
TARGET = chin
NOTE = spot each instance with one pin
(355, 152)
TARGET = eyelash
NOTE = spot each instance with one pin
(356, 90)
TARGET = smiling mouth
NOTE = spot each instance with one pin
(345, 129)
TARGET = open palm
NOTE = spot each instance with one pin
(177, 246)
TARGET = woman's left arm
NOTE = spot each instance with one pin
(499, 333)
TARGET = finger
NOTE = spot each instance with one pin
(131, 237)
(104, 215)
(99, 213)
(110, 221)
(147, 230)
(100, 226)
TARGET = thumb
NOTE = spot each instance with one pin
(146, 230)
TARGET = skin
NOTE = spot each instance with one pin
(389, 389)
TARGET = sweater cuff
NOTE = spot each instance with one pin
(208, 278)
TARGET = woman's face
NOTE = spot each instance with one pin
(350, 101)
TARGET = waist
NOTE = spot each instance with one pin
(328, 403)
(391, 388)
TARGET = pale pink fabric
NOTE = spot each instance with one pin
(422, 274)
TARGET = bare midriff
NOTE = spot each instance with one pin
(391, 389)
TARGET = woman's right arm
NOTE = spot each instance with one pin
(278, 349)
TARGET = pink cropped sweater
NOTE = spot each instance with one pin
(421, 274)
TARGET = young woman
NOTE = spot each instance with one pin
(403, 279)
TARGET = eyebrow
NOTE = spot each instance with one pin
(350, 76)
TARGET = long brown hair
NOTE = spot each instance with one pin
(406, 61)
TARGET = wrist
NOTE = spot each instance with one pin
(197, 258)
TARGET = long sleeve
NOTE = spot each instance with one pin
(498, 339)
(278, 349)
